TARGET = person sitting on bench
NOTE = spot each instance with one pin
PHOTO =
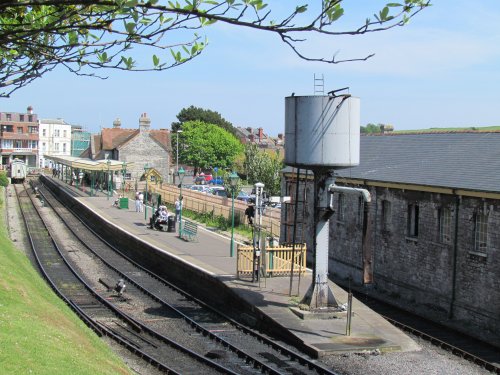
(160, 217)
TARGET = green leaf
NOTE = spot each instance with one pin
(384, 13)
(130, 27)
(336, 15)
(73, 37)
(301, 9)
(156, 60)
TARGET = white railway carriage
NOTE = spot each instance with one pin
(18, 171)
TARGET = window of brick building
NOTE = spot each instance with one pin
(480, 232)
(9, 116)
(19, 130)
(444, 230)
(412, 220)
(21, 118)
(386, 215)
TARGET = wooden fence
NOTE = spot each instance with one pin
(276, 261)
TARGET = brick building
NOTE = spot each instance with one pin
(19, 137)
(141, 147)
(432, 238)
(258, 137)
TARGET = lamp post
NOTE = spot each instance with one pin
(181, 173)
(146, 169)
(108, 162)
(124, 171)
(233, 180)
(177, 152)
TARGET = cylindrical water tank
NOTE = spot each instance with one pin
(322, 131)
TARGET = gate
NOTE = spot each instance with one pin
(277, 260)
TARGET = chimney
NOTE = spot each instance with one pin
(117, 123)
(250, 130)
(30, 110)
(252, 138)
(144, 122)
(261, 134)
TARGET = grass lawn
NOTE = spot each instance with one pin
(39, 334)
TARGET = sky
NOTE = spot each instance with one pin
(441, 70)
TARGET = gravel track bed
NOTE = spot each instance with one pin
(429, 361)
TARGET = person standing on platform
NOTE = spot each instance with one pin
(250, 213)
(137, 202)
(141, 202)
(178, 206)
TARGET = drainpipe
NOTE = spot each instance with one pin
(366, 247)
(455, 255)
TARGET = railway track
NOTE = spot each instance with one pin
(461, 345)
(100, 314)
(155, 303)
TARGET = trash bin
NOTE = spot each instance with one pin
(171, 224)
(123, 203)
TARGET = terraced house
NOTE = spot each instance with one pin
(429, 240)
(19, 137)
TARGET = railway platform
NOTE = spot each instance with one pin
(210, 254)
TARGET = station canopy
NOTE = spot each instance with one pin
(88, 164)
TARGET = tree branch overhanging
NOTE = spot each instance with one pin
(36, 36)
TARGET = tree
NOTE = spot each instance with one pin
(371, 129)
(205, 146)
(261, 166)
(205, 115)
(4, 180)
(36, 36)
(375, 129)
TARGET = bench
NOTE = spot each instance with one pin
(189, 230)
(156, 224)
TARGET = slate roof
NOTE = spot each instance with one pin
(468, 161)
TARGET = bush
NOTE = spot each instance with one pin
(4, 181)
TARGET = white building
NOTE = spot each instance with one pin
(55, 140)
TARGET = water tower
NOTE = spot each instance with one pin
(322, 135)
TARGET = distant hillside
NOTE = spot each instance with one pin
(447, 130)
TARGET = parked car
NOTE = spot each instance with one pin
(200, 188)
(242, 196)
(200, 180)
(217, 181)
(219, 191)
(208, 178)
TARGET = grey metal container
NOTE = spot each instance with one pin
(322, 131)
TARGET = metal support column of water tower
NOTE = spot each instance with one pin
(322, 134)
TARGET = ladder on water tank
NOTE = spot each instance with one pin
(319, 84)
